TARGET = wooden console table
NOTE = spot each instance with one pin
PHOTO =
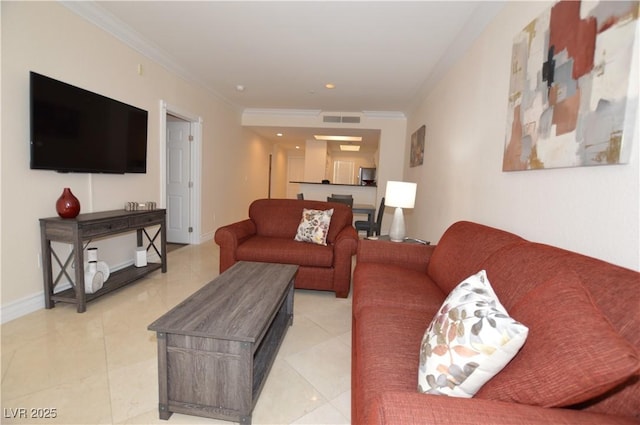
(85, 227)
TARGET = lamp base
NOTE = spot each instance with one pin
(397, 231)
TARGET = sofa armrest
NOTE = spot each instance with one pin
(405, 255)
(229, 237)
(415, 408)
(344, 248)
(347, 239)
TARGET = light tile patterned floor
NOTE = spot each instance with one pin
(100, 367)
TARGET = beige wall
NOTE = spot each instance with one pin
(592, 210)
(392, 138)
(48, 38)
(315, 161)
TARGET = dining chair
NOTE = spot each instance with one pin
(337, 195)
(300, 195)
(372, 229)
(347, 201)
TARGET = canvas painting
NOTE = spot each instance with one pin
(571, 101)
(417, 147)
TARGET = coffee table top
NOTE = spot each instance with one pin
(233, 306)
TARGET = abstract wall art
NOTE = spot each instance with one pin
(416, 157)
(572, 101)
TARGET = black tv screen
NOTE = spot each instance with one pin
(75, 130)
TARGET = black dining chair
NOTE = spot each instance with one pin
(347, 201)
(372, 229)
(300, 196)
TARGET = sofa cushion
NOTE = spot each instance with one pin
(314, 226)
(470, 339)
(280, 217)
(572, 354)
(387, 347)
(463, 249)
(287, 251)
(517, 269)
(378, 285)
(615, 292)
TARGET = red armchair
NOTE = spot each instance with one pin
(268, 236)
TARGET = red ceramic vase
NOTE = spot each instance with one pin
(67, 205)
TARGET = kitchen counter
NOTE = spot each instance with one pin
(335, 184)
(320, 191)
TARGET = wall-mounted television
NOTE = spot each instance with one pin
(75, 130)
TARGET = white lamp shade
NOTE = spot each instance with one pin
(400, 194)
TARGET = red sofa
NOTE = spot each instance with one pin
(268, 236)
(398, 288)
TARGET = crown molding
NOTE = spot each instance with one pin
(103, 19)
(318, 112)
(282, 112)
(98, 16)
(484, 13)
(385, 114)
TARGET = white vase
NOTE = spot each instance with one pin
(93, 279)
(104, 268)
(92, 255)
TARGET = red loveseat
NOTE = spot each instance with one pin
(268, 236)
(583, 316)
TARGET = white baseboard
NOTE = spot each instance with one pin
(206, 237)
(21, 307)
(35, 302)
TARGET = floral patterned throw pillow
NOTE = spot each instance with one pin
(314, 226)
(471, 338)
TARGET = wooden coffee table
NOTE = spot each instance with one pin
(215, 349)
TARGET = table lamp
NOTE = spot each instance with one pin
(400, 195)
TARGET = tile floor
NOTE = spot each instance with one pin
(100, 367)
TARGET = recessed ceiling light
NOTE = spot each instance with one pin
(330, 86)
(240, 87)
(338, 138)
(297, 147)
(279, 134)
(351, 148)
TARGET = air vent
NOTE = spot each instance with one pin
(336, 118)
(331, 118)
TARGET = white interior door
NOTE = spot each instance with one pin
(295, 172)
(178, 183)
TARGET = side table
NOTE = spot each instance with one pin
(406, 240)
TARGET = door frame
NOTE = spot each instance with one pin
(289, 178)
(196, 164)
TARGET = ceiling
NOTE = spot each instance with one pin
(382, 56)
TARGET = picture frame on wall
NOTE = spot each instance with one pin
(571, 100)
(416, 156)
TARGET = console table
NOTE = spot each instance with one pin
(86, 227)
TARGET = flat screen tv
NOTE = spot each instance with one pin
(75, 130)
